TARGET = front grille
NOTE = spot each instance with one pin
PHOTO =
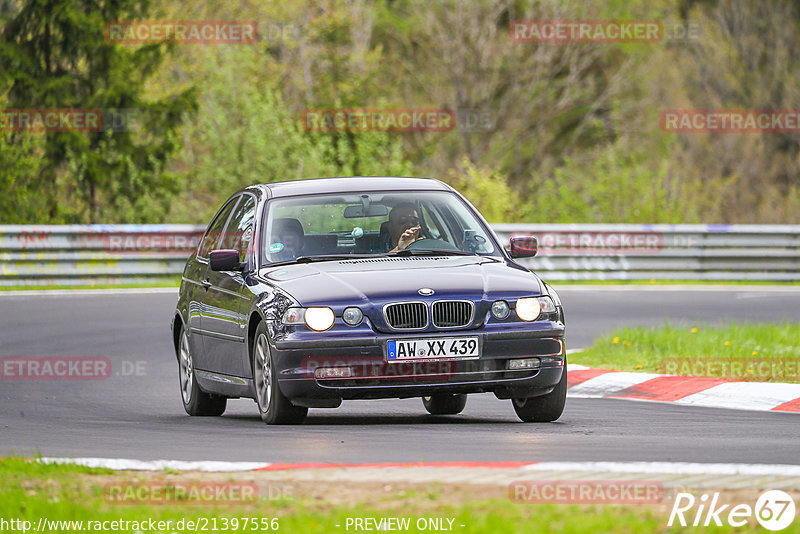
(452, 313)
(406, 315)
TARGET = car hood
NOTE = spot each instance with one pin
(385, 279)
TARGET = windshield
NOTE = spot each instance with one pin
(382, 223)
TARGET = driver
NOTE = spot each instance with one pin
(403, 226)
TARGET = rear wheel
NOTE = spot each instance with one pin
(274, 407)
(545, 408)
(195, 401)
(444, 404)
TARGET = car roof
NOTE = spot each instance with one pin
(351, 184)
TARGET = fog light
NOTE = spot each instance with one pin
(333, 372)
(352, 316)
(523, 363)
(500, 309)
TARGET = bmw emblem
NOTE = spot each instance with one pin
(426, 291)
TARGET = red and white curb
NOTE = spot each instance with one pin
(586, 382)
(680, 468)
(670, 474)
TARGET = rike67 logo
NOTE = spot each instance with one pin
(774, 510)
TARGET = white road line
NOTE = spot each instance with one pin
(122, 464)
(669, 468)
(732, 288)
(576, 367)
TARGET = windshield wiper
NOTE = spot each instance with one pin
(320, 257)
(431, 252)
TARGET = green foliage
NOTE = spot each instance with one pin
(20, 199)
(59, 58)
(244, 133)
(575, 133)
(488, 191)
(614, 185)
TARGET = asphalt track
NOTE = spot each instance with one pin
(137, 413)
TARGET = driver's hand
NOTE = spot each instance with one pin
(408, 237)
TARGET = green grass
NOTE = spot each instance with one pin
(752, 352)
(30, 491)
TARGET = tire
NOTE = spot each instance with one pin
(444, 404)
(196, 402)
(273, 406)
(545, 408)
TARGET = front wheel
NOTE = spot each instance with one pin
(195, 400)
(545, 408)
(444, 404)
(274, 407)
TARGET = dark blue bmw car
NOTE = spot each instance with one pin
(302, 294)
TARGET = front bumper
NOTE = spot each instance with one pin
(372, 376)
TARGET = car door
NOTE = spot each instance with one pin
(202, 306)
(225, 320)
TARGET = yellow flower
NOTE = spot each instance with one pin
(727, 343)
(755, 352)
(638, 366)
(694, 330)
(615, 340)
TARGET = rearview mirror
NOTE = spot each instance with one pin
(373, 210)
(524, 247)
(225, 260)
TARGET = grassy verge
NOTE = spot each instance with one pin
(30, 492)
(752, 352)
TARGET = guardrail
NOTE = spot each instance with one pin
(118, 254)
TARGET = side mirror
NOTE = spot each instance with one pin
(224, 260)
(524, 247)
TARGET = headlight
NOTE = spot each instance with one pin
(319, 319)
(352, 316)
(500, 309)
(529, 308)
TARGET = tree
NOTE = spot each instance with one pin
(54, 56)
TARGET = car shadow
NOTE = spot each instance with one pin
(385, 420)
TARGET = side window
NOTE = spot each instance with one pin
(239, 233)
(214, 233)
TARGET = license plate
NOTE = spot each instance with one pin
(432, 349)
